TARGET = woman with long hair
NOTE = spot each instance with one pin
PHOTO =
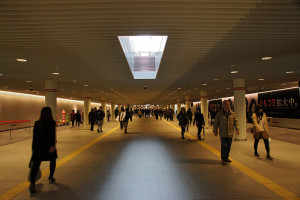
(260, 130)
(43, 146)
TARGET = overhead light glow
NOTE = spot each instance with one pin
(261, 79)
(204, 84)
(85, 85)
(55, 73)
(179, 88)
(266, 58)
(21, 60)
(216, 79)
(28, 81)
(289, 72)
(234, 72)
(1, 74)
(143, 54)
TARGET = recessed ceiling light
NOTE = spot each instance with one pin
(266, 58)
(216, 79)
(1, 74)
(261, 79)
(55, 73)
(21, 60)
(234, 72)
(204, 84)
(62, 89)
(73, 92)
(85, 85)
(74, 81)
(283, 84)
(217, 90)
(179, 88)
(112, 89)
(289, 72)
(231, 65)
(228, 88)
(28, 81)
(196, 88)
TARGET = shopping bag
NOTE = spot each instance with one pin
(39, 174)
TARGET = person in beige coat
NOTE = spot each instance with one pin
(260, 130)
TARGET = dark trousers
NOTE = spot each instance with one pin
(77, 122)
(267, 146)
(73, 122)
(199, 130)
(182, 131)
(36, 166)
(92, 125)
(225, 147)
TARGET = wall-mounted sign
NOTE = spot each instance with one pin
(281, 104)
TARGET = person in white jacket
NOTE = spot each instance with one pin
(260, 130)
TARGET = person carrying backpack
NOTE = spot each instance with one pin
(100, 115)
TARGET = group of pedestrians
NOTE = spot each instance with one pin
(225, 122)
(96, 116)
(44, 133)
(75, 117)
(185, 120)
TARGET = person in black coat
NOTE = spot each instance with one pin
(78, 118)
(43, 146)
(199, 119)
(183, 121)
(92, 119)
(190, 115)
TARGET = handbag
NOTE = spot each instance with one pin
(39, 173)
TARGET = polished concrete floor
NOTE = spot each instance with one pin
(150, 162)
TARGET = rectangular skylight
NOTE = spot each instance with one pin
(143, 54)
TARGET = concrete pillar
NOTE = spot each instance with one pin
(240, 107)
(87, 109)
(50, 96)
(103, 104)
(204, 106)
(188, 102)
(178, 106)
(173, 106)
(112, 111)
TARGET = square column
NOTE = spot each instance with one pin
(204, 106)
(87, 109)
(50, 96)
(240, 107)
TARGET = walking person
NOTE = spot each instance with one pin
(108, 115)
(190, 115)
(43, 146)
(92, 119)
(72, 117)
(260, 130)
(199, 119)
(124, 118)
(183, 121)
(225, 123)
(130, 114)
(140, 113)
(116, 112)
(78, 118)
(100, 116)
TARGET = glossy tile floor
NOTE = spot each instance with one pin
(151, 162)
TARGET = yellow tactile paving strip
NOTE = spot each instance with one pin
(45, 173)
(279, 190)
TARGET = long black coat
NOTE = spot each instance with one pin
(199, 119)
(44, 136)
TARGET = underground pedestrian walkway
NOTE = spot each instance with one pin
(152, 162)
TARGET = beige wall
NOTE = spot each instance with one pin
(16, 106)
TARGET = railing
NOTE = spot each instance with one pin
(14, 123)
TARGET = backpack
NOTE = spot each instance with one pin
(122, 116)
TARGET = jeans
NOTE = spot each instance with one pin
(199, 130)
(100, 124)
(267, 146)
(225, 147)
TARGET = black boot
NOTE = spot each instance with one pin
(32, 188)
